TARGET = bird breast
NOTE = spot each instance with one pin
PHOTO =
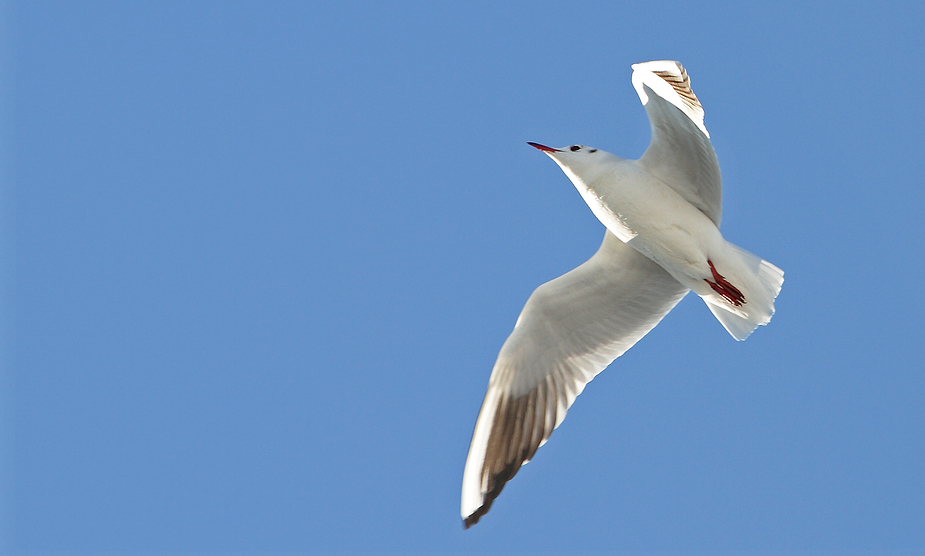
(650, 216)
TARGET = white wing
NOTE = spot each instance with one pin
(680, 153)
(570, 329)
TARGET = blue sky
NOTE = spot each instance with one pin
(259, 258)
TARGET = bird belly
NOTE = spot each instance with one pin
(652, 218)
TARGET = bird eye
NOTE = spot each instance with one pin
(575, 148)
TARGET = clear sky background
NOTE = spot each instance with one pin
(259, 259)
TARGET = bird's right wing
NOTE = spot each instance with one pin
(570, 329)
(680, 153)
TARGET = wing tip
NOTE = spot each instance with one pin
(475, 517)
(669, 80)
(487, 500)
(496, 483)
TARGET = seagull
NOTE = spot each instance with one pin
(662, 214)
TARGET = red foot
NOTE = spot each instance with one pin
(729, 292)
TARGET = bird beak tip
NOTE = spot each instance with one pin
(543, 148)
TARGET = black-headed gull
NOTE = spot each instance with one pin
(662, 214)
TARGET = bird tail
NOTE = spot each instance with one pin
(760, 282)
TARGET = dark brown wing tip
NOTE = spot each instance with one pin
(501, 479)
(477, 514)
(474, 518)
(515, 420)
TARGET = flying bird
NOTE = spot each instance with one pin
(662, 214)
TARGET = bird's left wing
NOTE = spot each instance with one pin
(570, 329)
(680, 153)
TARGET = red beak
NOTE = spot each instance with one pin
(543, 147)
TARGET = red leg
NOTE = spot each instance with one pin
(729, 292)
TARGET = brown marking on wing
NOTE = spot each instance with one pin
(519, 427)
(682, 85)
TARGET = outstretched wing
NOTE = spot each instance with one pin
(570, 329)
(680, 153)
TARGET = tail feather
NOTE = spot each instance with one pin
(740, 327)
(762, 282)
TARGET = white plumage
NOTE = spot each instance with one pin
(662, 214)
